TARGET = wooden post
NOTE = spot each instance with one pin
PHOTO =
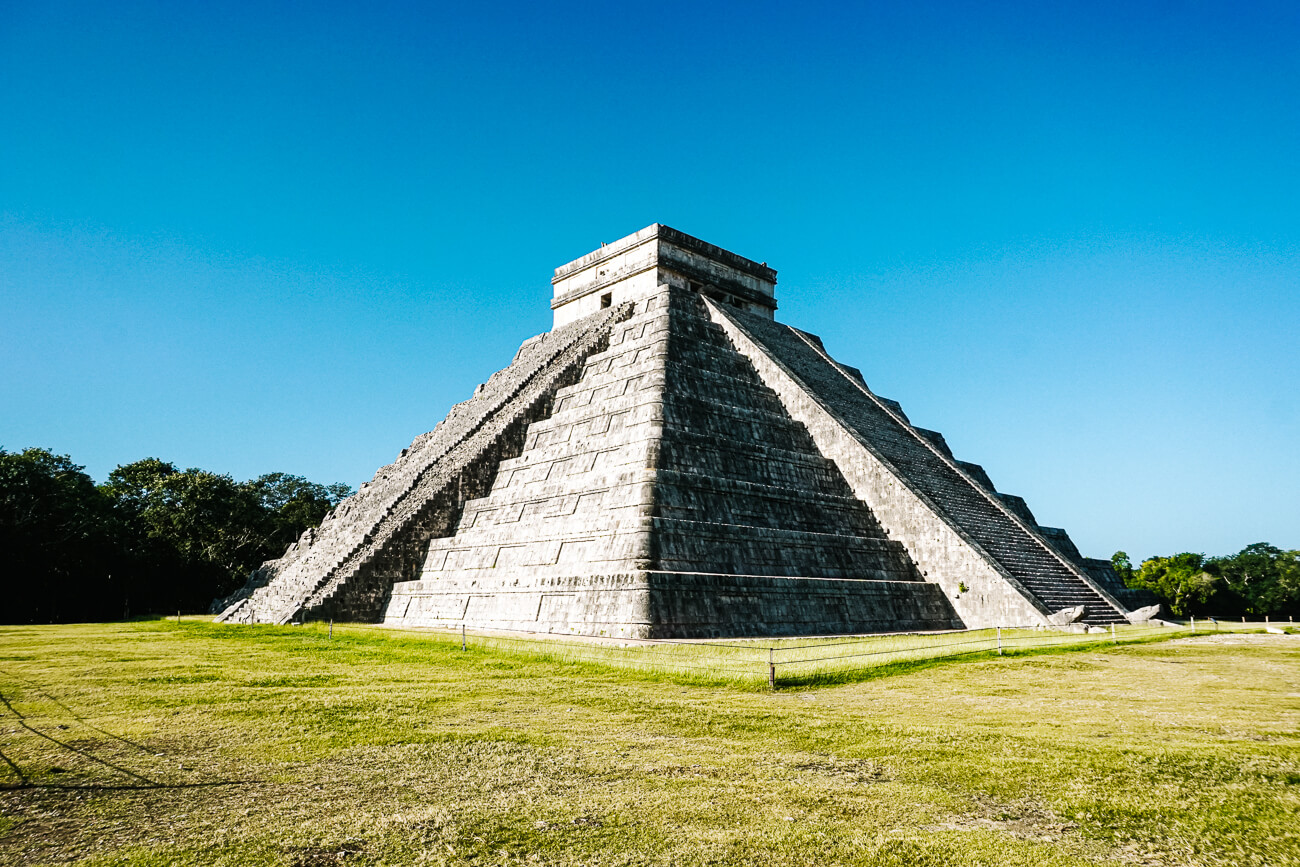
(999, 641)
(771, 670)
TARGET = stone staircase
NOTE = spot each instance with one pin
(345, 567)
(670, 494)
(741, 486)
(921, 463)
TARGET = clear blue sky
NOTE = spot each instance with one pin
(287, 237)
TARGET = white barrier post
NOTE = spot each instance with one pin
(1112, 634)
(1193, 624)
(999, 641)
(462, 636)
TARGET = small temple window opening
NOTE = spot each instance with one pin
(606, 300)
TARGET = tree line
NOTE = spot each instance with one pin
(152, 539)
(1260, 580)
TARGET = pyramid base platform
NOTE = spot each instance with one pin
(672, 605)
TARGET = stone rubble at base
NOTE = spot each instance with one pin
(671, 462)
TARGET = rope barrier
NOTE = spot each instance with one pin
(895, 650)
(669, 655)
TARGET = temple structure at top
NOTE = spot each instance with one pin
(670, 461)
(634, 266)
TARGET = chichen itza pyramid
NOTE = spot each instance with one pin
(670, 461)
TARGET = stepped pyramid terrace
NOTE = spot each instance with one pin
(671, 461)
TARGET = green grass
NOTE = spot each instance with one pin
(158, 743)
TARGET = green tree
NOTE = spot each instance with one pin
(1123, 567)
(1181, 581)
(293, 504)
(1264, 578)
(61, 540)
(197, 533)
(151, 539)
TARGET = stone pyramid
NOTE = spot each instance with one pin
(670, 461)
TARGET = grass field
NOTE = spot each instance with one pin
(159, 743)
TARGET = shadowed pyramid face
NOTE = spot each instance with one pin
(671, 462)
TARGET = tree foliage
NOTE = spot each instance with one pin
(1264, 579)
(1260, 580)
(195, 523)
(1181, 581)
(59, 535)
(152, 539)
(293, 504)
(1123, 567)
